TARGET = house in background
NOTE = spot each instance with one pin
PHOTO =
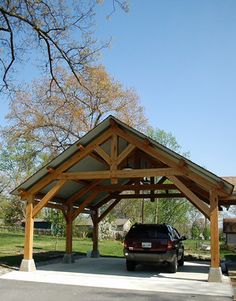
(229, 228)
(122, 226)
(84, 227)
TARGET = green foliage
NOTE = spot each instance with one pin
(174, 212)
(57, 219)
(166, 139)
(13, 212)
(206, 233)
(3, 206)
(195, 231)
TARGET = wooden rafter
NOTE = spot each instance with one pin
(126, 152)
(199, 191)
(78, 156)
(81, 192)
(161, 155)
(48, 197)
(98, 158)
(83, 205)
(191, 196)
(145, 146)
(104, 214)
(105, 200)
(103, 154)
(52, 205)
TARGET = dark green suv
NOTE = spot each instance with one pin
(154, 243)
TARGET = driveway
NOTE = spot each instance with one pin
(109, 275)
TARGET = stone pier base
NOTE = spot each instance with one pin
(215, 275)
(93, 254)
(27, 265)
(68, 258)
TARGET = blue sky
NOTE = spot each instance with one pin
(180, 57)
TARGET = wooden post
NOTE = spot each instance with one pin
(95, 251)
(68, 257)
(114, 150)
(215, 274)
(27, 263)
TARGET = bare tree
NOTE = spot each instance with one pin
(53, 32)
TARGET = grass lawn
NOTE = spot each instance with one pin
(46, 247)
(12, 247)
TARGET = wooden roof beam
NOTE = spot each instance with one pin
(191, 196)
(126, 152)
(82, 192)
(103, 155)
(120, 174)
(83, 205)
(174, 163)
(78, 156)
(48, 197)
(104, 214)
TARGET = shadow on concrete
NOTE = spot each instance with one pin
(39, 257)
(197, 271)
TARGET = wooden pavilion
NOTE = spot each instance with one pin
(110, 163)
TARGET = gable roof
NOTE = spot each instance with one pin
(90, 164)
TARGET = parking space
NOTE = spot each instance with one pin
(111, 273)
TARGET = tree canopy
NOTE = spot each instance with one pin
(50, 124)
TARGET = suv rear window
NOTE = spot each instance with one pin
(145, 232)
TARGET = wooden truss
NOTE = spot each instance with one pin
(168, 178)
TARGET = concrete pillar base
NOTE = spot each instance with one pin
(27, 265)
(93, 254)
(215, 275)
(68, 258)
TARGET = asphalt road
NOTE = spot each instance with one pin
(12, 290)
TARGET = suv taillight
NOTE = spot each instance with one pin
(169, 245)
(125, 244)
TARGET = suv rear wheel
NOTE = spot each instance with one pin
(130, 265)
(174, 265)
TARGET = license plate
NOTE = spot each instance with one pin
(146, 244)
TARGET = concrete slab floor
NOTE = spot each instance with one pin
(111, 273)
